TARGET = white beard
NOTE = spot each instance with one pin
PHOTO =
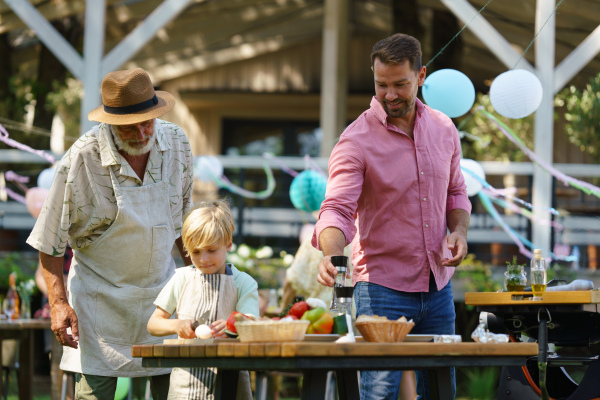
(131, 150)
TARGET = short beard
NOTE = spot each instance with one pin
(127, 148)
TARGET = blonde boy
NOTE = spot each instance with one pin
(206, 292)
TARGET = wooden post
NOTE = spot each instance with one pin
(334, 75)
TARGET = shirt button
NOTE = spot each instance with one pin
(427, 251)
(426, 226)
(424, 198)
(421, 172)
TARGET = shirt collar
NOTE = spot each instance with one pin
(109, 155)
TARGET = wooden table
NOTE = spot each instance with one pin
(560, 318)
(22, 329)
(314, 359)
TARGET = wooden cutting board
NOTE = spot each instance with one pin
(198, 341)
(521, 298)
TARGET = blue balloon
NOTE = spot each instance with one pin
(307, 190)
(449, 91)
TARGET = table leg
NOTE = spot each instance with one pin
(1, 371)
(347, 384)
(261, 385)
(313, 385)
(440, 383)
(25, 370)
(226, 384)
(55, 371)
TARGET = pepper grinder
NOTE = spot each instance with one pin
(340, 263)
(344, 299)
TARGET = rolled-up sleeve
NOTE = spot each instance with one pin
(50, 233)
(457, 189)
(344, 187)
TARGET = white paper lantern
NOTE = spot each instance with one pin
(46, 177)
(207, 168)
(473, 185)
(516, 94)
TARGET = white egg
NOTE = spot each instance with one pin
(203, 332)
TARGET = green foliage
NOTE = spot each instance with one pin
(65, 100)
(514, 266)
(583, 116)
(557, 271)
(267, 270)
(480, 383)
(494, 146)
(477, 274)
(14, 263)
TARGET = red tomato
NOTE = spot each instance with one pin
(230, 324)
(298, 309)
(275, 319)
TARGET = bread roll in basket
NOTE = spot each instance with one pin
(374, 328)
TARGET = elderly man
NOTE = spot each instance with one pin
(395, 189)
(119, 197)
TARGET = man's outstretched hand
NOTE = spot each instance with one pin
(457, 243)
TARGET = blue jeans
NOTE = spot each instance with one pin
(432, 312)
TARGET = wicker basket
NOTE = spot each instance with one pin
(271, 331)
(384, 331)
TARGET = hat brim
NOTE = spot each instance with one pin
(166, 102)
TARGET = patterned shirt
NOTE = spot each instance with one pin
(391, 194)
(81, 204)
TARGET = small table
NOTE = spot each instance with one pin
(314, 359)
(560, 318)
(22, 329)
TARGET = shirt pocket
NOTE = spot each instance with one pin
(440, 164)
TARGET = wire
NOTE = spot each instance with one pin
(538, 32)
(459, 32)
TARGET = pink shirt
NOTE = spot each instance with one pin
(390, 195)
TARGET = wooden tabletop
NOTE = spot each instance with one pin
(521, 298)
(320, 349)
(20, 324)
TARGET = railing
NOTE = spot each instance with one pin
(275, 222)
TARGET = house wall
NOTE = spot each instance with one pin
(291, 76)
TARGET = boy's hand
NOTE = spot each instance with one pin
(185, 329)
(218, 328)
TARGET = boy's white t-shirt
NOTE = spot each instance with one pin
(247, 289)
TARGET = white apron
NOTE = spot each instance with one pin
(114, 282)
(205, 298)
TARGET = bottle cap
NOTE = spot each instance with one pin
(537, 253)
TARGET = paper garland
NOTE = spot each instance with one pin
(585, 187)
(13, 143)
(519, 240)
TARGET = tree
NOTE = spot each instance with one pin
(583, 116)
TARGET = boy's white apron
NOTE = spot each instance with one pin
(205, 298)
(114, 282)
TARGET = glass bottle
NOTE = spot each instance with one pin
(538, 275)
(11, 301)
(340, 263)
(273, 303)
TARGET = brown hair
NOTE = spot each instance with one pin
(396, 49)
(208, 223)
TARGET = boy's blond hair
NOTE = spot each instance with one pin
(208, 223)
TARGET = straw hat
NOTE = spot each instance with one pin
(128, 97)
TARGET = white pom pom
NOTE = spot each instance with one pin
(203, 332)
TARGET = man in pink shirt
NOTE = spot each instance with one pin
(395, 189)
